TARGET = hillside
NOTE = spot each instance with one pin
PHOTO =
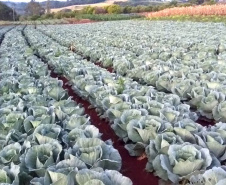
(61, 4)
(6, 13)
(79, 7)
(56, 6)
(19, 7)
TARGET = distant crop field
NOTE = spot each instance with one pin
(192, 10)
(79, 7)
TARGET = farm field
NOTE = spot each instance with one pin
(121, 102)
(80, 7)
(218, 9)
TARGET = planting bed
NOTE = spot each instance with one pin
(182, 64)
(129, 163)
(113, 103)
(46, 137)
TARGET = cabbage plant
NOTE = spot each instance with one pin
(95, 153)
(214, 142)
(219, 112)
(138, 112)
(110, 177)
(10, 175)
(214, 176)
(88, 131)
(181, 161)
(38, 120)
(209, 102)
(10, 153)
(39, 157)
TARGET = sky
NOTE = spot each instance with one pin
(26, 0)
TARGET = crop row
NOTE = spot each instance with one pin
(153, 120)
(188, 62)
(45, 136)
(219, 9)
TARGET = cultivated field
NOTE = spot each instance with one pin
(218, 9)
(80, 7)
(123, 102)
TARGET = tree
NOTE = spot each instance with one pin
(34, 8)
(88, 10)
(127, 9)
(134, 9)
(114, 9)
(99, 10)
(6, 13)
(196, 1)
(141, 8)
(173, 3)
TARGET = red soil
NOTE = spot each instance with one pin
(131, 166)
(205, 122)
(109, 69)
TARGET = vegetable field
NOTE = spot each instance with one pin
(114, 103)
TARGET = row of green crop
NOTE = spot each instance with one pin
(140, 115)
(45, 136)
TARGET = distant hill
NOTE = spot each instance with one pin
(56, 6)
(79, 7)
(61, 4)
(20, 6)
(6, 13)
(110, 2)
(143, 2)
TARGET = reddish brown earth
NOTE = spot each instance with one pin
(109, 69)
(205, 122)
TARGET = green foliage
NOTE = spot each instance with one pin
(209, 2)
(184, 5)
(58, 53)
(58, 15)
(173, 3)
(194, 1)
(68, 14)
(126, 9)
(121, 83)
(34, 17)
(88, 10)
(99, 10)
(48, 16)
(107, 17)
(22, 18)
(114, 9)
(195, 18)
